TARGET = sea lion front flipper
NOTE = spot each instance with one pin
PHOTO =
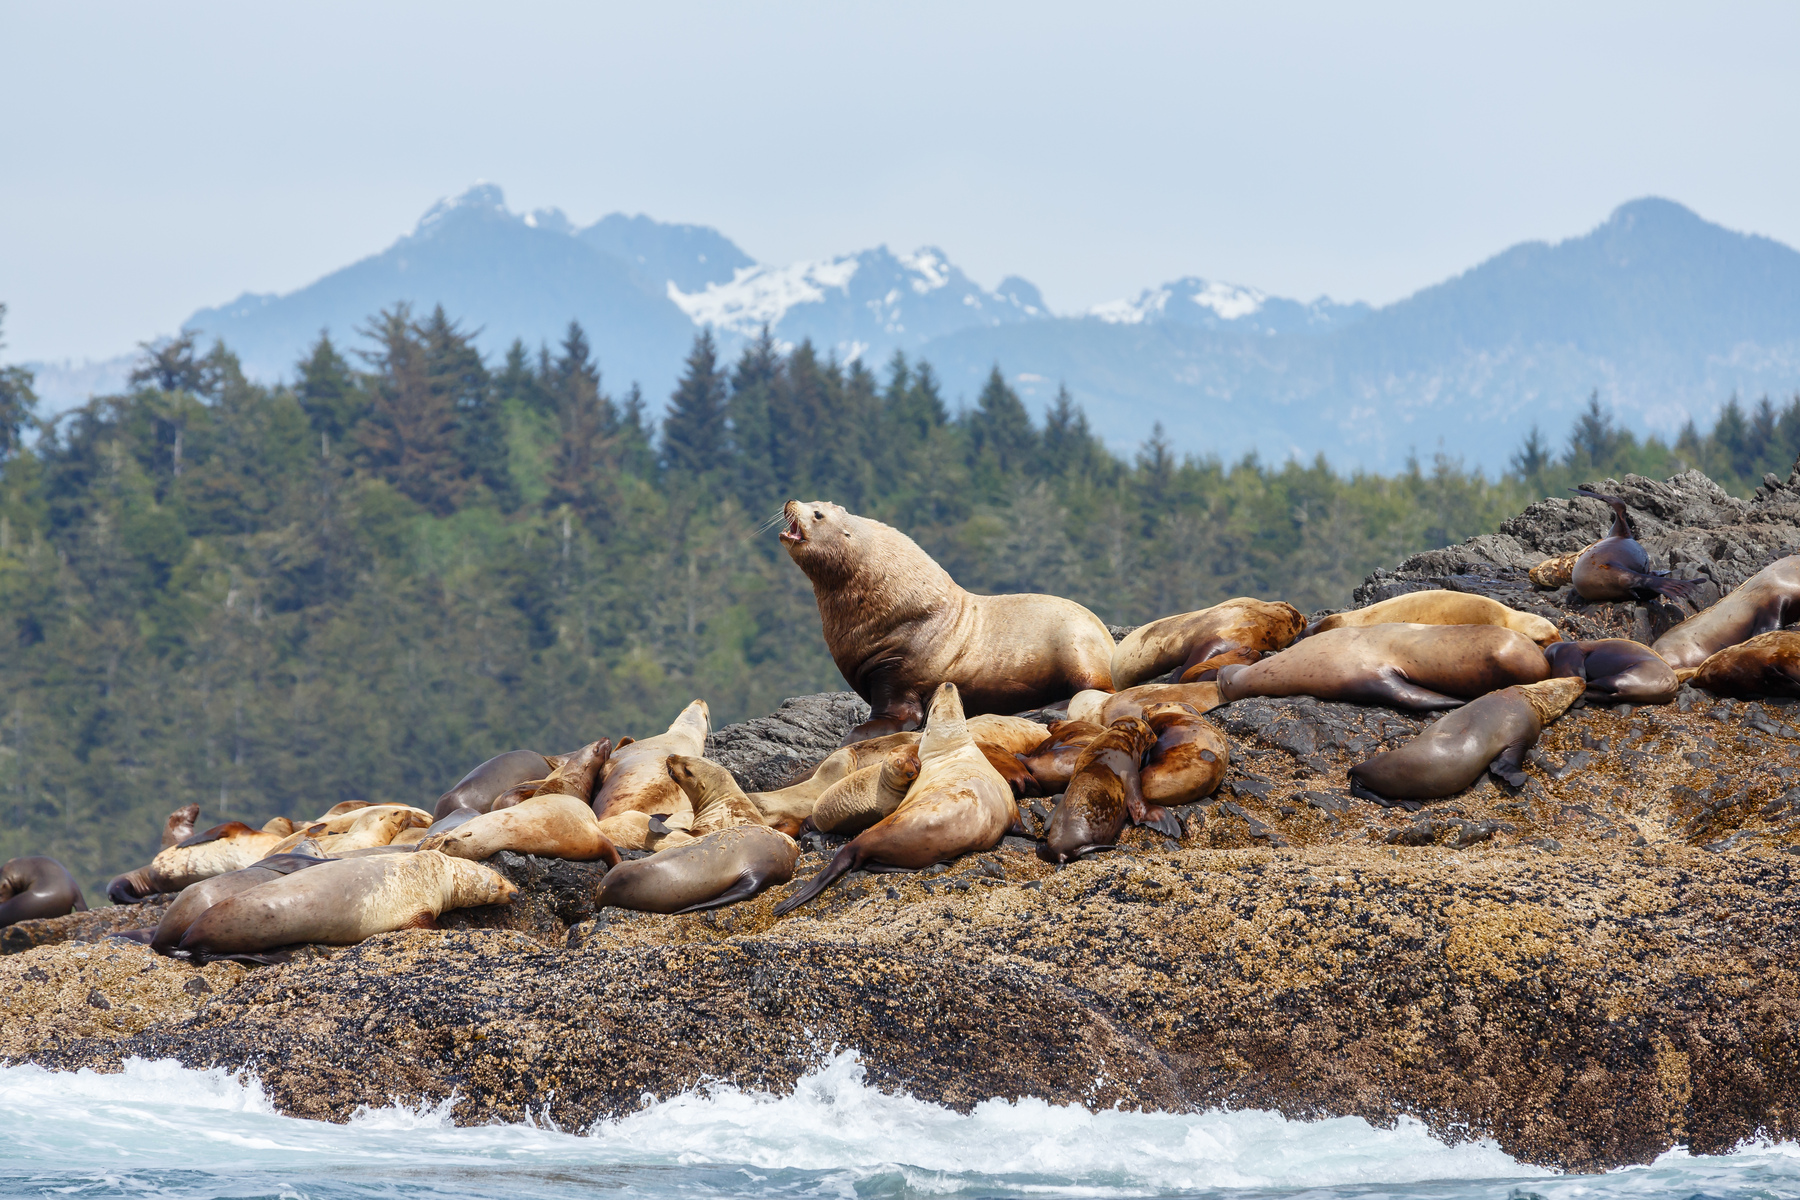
(1394, 690)
(1363, 792)
(1162, 820)
(1621, 526)
(1511, 759)
(1674, 589)
(745, 888)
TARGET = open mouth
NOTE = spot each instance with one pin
(793, 534)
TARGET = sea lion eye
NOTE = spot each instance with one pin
(817, 515)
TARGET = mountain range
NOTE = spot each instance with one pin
(1663, 313)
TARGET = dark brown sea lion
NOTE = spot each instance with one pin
(227, 847)
(1616, 567)
(725, 866)
(479, 788)
(1189, 757)
(1766, 665)
(1132, 702)
(1763, 603)
(635, 784)
(1104, 793)
(180, 825)
(1052, 761)
(865, 796)
(1438, 606)
(1617, 669)
(37, 886)
(342, 902)
(1017, 775)
(1417, 667)
(1207, 670)
(196, 898)
(1181, 642)
(1489, 734)
(897, 625)
(958, 805)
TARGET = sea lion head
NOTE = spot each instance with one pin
(821, 538)
(1550, 698)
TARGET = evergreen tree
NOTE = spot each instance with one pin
(328, 392)
(636, 457)
(1000, 428)
(169, 365)
(17, 402)
(587, 427)
(748, 422)
(517, 383)
(1596, 439)
(458, 372)
(693, 433)
(1070, 449)
(1731, 434)
(1156, 475)
(1533, 455)
(409, 436)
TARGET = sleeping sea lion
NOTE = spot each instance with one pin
(1555, 572)
(1615, 669)
(180, 825)
(478, 789)
(1489, 734)
(866, 795)
(374, 826)
(227, 847)
(1416, 667)
(1189, 639)
(36, 886)
(1104, 793)
(958, 805)
(196, 898)
(725, 866)
(1189, 757)
(1201, 697)
(1763, 603)
(1085, 705)
(1766, 665)
(341, 902)
(1616, 567)
(897, 625)
(794, 803)
(553, 823)
(1015, 735)
(1439, 606)
(1019, 779)
(1207, 670)
(635, 783)
(1052, 761)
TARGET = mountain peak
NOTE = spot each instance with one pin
(480, 197)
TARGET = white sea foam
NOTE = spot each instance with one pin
(161, 1129)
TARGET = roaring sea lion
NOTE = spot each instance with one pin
(342, 902)
(227, 847)
(1104, 793)
(35, 887)
(1489, 734)
(1615, 668)
(1188, 639)
(1417, 667)
(794, 803)
(635, 783)
(180, 825)
(868, 794)
(1441, 607)
(1763, 603)
(478, 789)
(1201, 697)
(1189, 757)
(958, 805)
(196, 898)
(1052, 761)
(725, 866)
(1616, 567)
(1766, 665)
(897, 625)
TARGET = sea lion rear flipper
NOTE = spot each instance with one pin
(1674, 589)
(1162, 820)
(1621, 526)
(746, 887)
(1392, 689)
(1511, 759)
(845, 860)
(1362, 792)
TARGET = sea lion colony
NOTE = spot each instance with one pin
(939, 768)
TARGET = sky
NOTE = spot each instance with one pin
(159, 157)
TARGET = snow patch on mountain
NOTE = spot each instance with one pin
(762, 295)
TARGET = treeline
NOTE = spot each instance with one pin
(357, 585)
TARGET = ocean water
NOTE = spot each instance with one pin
(162, 1132)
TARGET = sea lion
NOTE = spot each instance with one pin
(1086, 705)
(281, 826)
(1616, 669)
(725, 866)
(635, 779)
(1207, 670)
(868, 794)
(1015, 735)
(554, 826)
(718, 801)
(958, 804)
(1189, 757)
(1052, 761)
(1555, 572)
(196, 898)
(374, 826)
(342, 902)
(1418, 667)
(1763, 603)
(1766, 665)
(478, 789)
(180, 825)
(1617, 568)
(1018, 777)
(36, 886)
(1489, 734)
(1201, 697)
(897, 625)
(1438, 606)
(1183, 641)
(227, 847)
(1103, 794)
(794, 803)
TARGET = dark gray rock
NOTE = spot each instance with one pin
(765, 753)
(1306, 728)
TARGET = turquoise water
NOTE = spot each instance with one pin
(161, 1131)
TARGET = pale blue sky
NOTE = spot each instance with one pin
(159, 157)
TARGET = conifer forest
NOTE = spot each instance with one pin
(268, 599)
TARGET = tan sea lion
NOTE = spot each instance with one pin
(958, 805)
(725, 866)
(1441, 607)
(794, 803)
(280, 826)
(180, 825)
(342, 809)
(868, 794)
(1617, 568)
(1555, 572)
(718, 801)
(1207, 670)
(1201, 697)
(36, 886)
(342, 902)
(227, 847)
(1104, 793)
(196, 898)
(551, 825)
(1183, 641)
(478, 789)
(1489, 734)
(1766, 665)
(636, 779)
(1052, 761)
(1015, 735)
(1416, 667)
(1189, 757)
(897, 625)
(1086, 705)
(1615, 668)
(1763, 603)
